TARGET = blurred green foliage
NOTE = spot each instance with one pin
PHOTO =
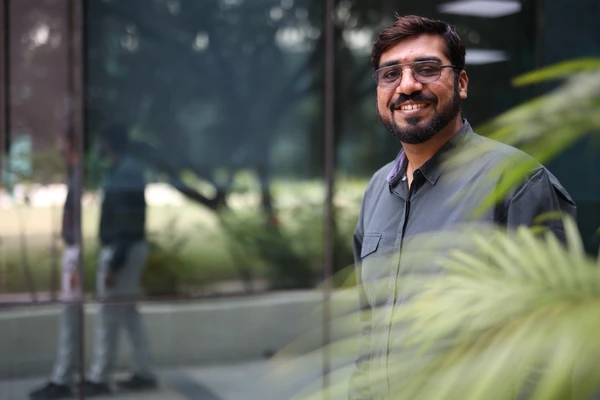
(549, 124)
(193, 250)
(509, 316)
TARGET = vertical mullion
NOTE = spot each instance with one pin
(4, 81)
(329, 232)
(75, 19)
(4, 111)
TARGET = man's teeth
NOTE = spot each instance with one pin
(412, 106)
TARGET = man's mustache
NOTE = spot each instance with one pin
(416, 97)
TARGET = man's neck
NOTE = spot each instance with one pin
(419, 154)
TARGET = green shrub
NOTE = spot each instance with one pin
(165, 269)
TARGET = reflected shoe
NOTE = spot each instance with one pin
(91, 389)
(52, 391)
(137, 383)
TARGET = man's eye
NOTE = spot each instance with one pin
(427, 71)
(391, 75)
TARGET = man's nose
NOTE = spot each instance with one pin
(408, 84)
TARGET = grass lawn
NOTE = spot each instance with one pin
(205, 253)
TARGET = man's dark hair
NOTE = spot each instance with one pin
(411, 25)
(116, 136)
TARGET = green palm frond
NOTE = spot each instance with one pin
(518, 308)
(507, 315)
(557, 71)
(546, 126)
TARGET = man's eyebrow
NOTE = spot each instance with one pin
(428, 58)
(388, 64)
(418, 59)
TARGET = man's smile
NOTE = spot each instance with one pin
(409, 108)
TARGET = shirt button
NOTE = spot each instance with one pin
(403, 178)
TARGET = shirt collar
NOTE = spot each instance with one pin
(433, 168)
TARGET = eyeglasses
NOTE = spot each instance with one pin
(423, 72)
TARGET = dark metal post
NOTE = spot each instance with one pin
(75, 19)
(4, 108)
(538, 41)
(329, 134)
(4, 105)
(4, 81)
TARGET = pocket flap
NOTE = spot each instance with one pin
(370, 244)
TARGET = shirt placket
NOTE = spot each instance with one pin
(392, 286)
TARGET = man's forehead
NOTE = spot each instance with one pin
(415, 48)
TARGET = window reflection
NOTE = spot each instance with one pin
(224, 104)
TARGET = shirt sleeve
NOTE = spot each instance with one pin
(540, 201)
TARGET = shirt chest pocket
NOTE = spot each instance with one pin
(370, 244)
(376, 255)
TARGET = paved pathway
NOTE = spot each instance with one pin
(252, 380)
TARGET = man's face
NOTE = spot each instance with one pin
(64, 147)
(415, 112)
(104, 148)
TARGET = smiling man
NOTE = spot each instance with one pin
(443, 173)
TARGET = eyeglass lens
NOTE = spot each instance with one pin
(423, 72)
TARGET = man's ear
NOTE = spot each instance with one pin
(463, 84)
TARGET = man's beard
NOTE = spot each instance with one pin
(415, 133)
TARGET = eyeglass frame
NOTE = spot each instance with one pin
(403, 66)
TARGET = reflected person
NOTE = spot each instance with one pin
(121, 263)
(419, 69)
(59, 384)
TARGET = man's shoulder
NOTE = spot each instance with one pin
(500, 153)
(508, 157)
(127, 173)
(496, 147)
(130, 165)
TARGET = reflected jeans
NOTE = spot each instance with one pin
(68, 335)
(111, 317)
